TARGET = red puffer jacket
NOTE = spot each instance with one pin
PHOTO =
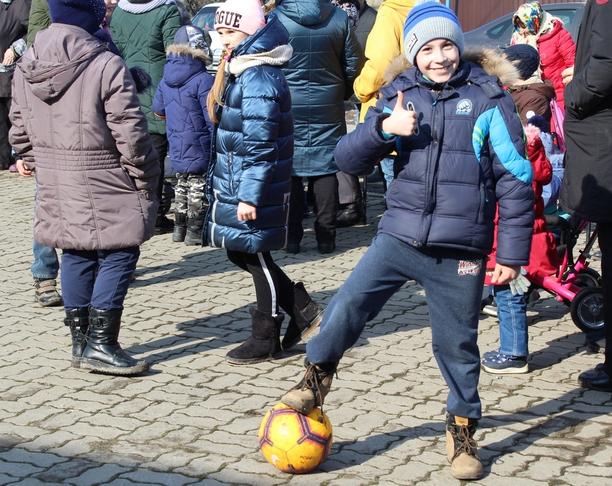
(543, 255)
(557, 51)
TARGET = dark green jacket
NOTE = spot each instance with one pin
(39, 19)
(142, 39)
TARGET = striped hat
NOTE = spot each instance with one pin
(430, 20)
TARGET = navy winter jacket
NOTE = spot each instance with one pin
(326, 60)
(181, 98)
(468, 155)
(254, 146)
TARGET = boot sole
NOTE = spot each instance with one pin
(100, 367)
(306, 333)
(507, 371)
(297, 408)
(235, 361)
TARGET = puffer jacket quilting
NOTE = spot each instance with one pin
(326, 60)
(142, 39)
(181, 99)
(557, 52)
(254, 149)
(468, 155)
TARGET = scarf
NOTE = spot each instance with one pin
(276, 57)
(138, 8)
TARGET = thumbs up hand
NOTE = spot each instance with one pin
(402, 122)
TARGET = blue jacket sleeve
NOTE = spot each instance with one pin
(158, 106)
(359, 150)
(513, 174)
(261, 115)
(203, 90)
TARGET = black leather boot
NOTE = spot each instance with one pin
(194, 229)
(264, 342)
(78, 321)
(102, 352)
(306, 317)
(180, 227)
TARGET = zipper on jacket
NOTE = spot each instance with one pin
(230, 171)
(430, 173)
(213, 219)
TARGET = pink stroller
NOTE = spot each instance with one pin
(575, 284)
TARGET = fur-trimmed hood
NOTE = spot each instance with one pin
(183, 63)
(185, 50)
(492, 61)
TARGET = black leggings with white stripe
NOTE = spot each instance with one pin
(273, 288)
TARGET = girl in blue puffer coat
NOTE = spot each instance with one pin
(181, 100)
(250, 104)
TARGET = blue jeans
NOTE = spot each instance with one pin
(99, 279)
(453, 286)
(512, 314)
(46, 264)
(388, 170)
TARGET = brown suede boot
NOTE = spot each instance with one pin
(311, 391)
(461, 447)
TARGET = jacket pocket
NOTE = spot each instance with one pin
(486, 211)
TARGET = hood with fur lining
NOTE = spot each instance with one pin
(182, 63)
(185, 50)
(492, 61)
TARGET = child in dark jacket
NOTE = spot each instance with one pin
(460, 150)
(181, 101)
(511, 300)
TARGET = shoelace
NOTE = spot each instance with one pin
(312, 380)
(467, 443)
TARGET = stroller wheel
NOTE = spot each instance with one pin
(587, 309)
(588, 278)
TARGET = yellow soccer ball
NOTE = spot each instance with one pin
(292, 442)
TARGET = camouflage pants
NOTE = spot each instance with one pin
(189, 196)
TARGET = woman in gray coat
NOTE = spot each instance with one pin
(77, 123)
(326, 59)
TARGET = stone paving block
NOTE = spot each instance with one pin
(543, 469)
(100, 474)
(196, 416)
(37, 459)
(412, 472)
(127, 482)
(153, 477)
(18, 470)
(36, 482)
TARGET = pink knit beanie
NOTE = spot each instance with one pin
(244, 15)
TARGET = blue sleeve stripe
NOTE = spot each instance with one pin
(492, 122)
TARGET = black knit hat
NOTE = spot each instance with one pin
(525, 58)
(87, 14)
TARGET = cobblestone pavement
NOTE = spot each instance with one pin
(194, 418)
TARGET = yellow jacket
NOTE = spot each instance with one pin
(385, 42)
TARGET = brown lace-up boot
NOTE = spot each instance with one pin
(461, 447)
(311, 391)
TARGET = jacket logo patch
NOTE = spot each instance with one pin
(468, 267)
(464, 107)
